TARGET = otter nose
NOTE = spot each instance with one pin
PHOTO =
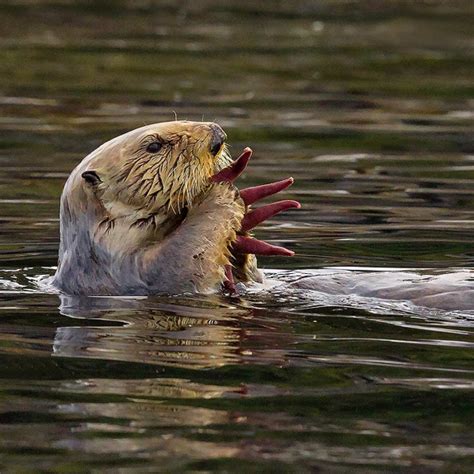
(218, 139)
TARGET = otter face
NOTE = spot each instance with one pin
(157, 169)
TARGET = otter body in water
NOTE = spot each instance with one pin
(155, 211)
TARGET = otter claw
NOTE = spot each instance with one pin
(256, 216)
(235, 169)
(250, 195)
(229, 284)
(249, 245)
(259, 247)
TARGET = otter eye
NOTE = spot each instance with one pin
(91, 177)
(154, 147)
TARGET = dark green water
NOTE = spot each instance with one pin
(369, 105)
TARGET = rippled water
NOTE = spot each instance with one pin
(369, 106)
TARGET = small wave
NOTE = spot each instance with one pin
(27, 280)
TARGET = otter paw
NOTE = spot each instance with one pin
(245, 244)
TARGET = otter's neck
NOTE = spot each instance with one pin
(127, 234)
(95, 248)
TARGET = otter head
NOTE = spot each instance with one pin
(157, 170)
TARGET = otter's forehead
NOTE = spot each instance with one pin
(173, 128)
(177, 127)
(204, 140)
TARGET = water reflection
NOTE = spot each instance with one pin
(202, 335)
(166, 380)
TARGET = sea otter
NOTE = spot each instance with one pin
(155, 211)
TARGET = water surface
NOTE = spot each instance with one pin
(369, 106)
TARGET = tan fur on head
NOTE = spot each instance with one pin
(144, 190)
(135, 180)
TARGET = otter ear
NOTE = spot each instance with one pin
(91, 177)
